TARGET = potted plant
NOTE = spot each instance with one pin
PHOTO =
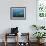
(42, 27)
(38, 27)
(35, 26)
(39, 35)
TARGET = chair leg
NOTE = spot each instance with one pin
(5, 40)
(5, 43)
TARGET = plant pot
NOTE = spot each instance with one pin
(40, 41)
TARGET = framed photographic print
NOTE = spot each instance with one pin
(41, 8)
(18, 13)
(41, 12)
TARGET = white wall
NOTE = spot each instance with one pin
(24, 25)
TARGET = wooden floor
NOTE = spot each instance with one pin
(13, 44)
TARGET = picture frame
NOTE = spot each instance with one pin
(18, 13)
(41, 8)
(41, 12)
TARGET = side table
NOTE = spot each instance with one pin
(8, 34)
